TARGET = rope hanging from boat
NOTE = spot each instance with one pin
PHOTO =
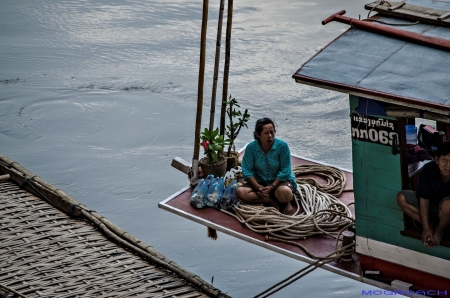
(322, 214)
(308, 269)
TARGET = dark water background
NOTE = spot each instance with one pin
(97, 97)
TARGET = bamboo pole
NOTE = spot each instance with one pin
(216, 66)
(201, 79)
(227, 66)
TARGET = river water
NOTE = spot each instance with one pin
(97, 97)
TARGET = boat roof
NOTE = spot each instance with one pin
(384, 68)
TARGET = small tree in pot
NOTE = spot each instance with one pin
(214, 162)
(237, 121)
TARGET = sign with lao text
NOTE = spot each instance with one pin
(373, 129)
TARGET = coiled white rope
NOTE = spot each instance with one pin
(322, 212)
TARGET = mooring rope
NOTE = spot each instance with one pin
(323, 214)
(292, 278)
(339, 252)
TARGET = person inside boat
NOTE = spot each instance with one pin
(267, 169)
(430, 203)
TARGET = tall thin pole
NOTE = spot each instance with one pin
(227, 66)
(201, 79)
(216, 66)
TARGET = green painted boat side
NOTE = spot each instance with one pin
(376, 181)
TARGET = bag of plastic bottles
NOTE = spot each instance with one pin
(229, 198)
(198, 197)
(210, 179)
(215, 192)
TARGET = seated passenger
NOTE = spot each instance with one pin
(266, 166)
(430, 203)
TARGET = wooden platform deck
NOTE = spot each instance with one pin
(318, 245)
(44, 252)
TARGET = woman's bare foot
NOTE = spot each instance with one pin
(288, 209)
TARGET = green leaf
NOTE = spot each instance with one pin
(214, 156)
(215, 133)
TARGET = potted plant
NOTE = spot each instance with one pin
(213, 144)
(237, 121)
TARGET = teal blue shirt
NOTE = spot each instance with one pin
(265, 168)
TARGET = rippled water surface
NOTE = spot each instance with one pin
(97, 97)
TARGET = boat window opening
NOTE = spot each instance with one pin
(429, 134)
(419, 121)
(424, 149)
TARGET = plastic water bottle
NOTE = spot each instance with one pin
(411, 134)
(198, 197)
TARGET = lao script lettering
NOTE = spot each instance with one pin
(375, 130)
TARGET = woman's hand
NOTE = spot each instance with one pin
(264, 190)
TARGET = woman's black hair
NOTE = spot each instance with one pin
(259, 126)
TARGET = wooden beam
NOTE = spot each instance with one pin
(181, 165)
(410, 12)
(394, 7)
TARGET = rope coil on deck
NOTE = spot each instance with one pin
(335, 178)
(323, 213)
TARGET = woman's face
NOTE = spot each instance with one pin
(267, 134)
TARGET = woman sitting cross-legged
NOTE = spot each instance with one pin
(267, 169)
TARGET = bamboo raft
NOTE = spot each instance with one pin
(53, 246)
